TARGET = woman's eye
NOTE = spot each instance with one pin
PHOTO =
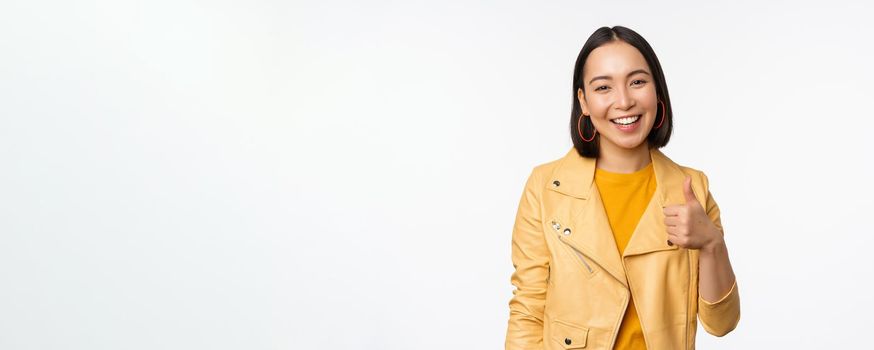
(641, 81)
(599, 88)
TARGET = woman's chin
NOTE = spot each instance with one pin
(627, 142)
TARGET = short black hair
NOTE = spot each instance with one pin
(657, 138)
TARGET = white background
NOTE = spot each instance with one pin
(274, 175)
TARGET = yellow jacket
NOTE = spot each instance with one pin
(572, 287)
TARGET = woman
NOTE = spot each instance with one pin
(615, 246)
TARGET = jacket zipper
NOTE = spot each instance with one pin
(589, 268)
(580, 255)
(630, 296)
(621, 316)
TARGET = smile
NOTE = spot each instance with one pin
(626, 120)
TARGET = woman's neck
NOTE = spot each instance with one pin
(623, 160)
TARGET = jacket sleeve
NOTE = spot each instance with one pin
(530, 258)
(722, 316)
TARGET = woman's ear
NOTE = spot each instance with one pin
(583, 105)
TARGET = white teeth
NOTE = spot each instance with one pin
(626, 120)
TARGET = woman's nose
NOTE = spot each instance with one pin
(623, 99)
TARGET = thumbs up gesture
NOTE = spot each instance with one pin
(688, 224)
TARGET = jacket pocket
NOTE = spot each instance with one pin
(569, 336)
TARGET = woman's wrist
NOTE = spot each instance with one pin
(715, 245)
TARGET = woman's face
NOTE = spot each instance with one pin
(620, 95)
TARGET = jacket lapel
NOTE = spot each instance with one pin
(592, 233)
(650, 235)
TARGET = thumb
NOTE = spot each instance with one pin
(687, 190)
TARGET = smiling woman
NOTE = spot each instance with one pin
(615, 246)
(628, 71)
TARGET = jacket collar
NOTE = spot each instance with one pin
(576, 174)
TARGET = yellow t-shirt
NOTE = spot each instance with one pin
(625, 198)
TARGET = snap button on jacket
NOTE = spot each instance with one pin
(571, 285)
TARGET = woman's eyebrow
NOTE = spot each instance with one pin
(629, 74)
